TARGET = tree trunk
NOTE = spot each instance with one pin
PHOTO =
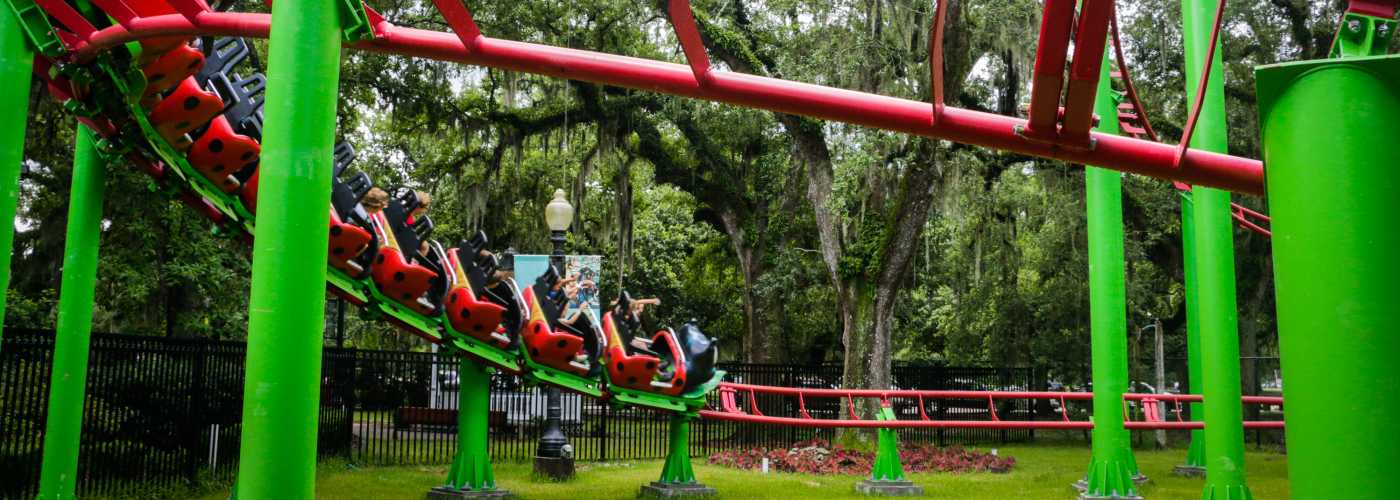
(757, 348)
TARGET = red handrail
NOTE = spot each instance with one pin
(1153, 417)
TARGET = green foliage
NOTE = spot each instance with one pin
(707, 206)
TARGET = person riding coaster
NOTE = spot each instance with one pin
(668, 363)
(555, 341)
(400, 270)
(468, 310)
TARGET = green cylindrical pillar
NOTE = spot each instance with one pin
(471, 468)
(1334, 198)
(1215, 273)
(1196, 454)
(1113, 468)
(68, 387)
(16, 69)
(285, 323)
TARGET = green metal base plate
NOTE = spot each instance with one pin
(1138, 480)
(450, 493)
(659, 489)
(1227, 492)
(889, 488)
(1189, 471)
(1091, 497)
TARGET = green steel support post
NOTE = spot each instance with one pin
(16, 68)
(677, 476)
(1215, 274)
(59, 476)
(285, 323)
(1195, 465)
(887, 474)
(677, 468)
(471, 474)
(887, 466)
(1113, 469)
(1328, 137)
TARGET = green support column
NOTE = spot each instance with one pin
(1328, 142)
(285, 323)
(67, 390)
(1113, 469)
(1215, 274)
(677, 476)
(887, 473)
(1195, 465)
(471, 475)
(16, 68)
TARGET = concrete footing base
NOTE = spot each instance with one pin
(449, 493)
(659, 489)
(889, 488)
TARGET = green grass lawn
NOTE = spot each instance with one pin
(1040, 472)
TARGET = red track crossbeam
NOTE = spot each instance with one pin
(877, 111)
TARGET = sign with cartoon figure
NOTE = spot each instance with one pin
(580, 282)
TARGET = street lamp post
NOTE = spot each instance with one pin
(550, 460)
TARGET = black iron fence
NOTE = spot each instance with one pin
(168, 411)
(158, 411)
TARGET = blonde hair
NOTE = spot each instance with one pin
(375, 200)
(424, 199)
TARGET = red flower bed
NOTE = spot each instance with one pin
(819, 457)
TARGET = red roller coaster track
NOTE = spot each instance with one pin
(796, 402)
(699, 80)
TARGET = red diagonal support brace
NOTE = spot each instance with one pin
(683, 21)
(460, 19)
(118, 9)
(1201, 87)
(935, 59)
(1049, 79)
(67, 16)
(1090, 40)
(1376, 8)
(191, 9)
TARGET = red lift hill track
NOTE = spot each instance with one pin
(1058, 126)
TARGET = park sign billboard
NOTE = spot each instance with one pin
(586, 268)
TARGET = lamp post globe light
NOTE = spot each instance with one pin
(550, 459)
